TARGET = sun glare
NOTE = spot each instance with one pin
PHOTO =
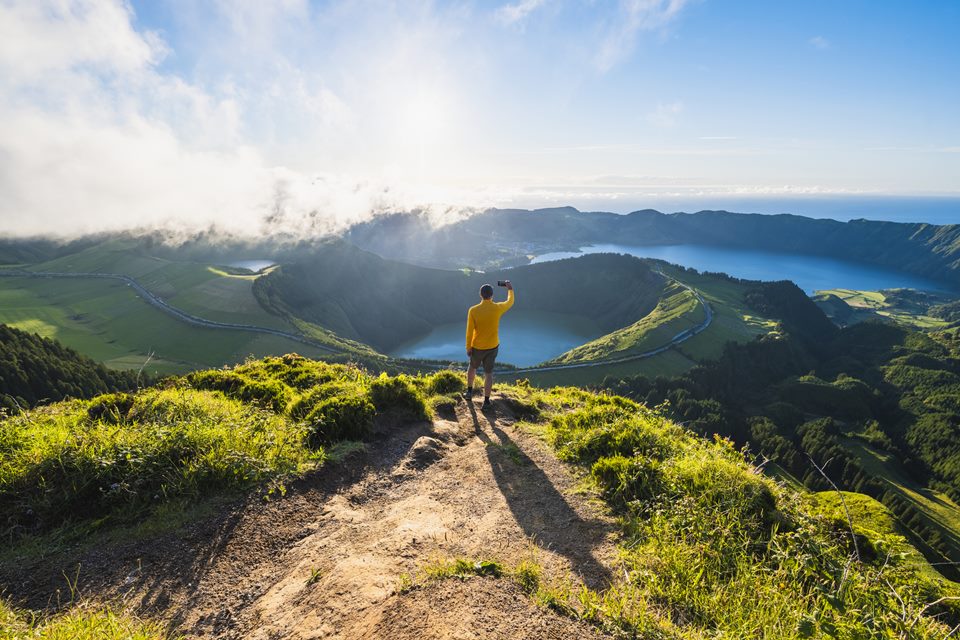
(423, 127)
(424, 117)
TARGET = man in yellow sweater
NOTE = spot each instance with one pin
(483, 339)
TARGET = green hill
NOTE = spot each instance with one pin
(677, 310)
(35, 370)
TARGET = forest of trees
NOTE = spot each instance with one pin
(806, 393)
(35, 370)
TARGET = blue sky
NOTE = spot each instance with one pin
(222, 110)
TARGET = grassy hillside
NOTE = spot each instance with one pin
(677, 310)
(708, 545)
(107, 321)
(800, 398)
(35, 369)
(213, 431)
(383, 303)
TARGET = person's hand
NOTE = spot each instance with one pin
(469, 352)
(508, 285)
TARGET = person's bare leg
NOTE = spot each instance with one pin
(487, 383)
(471, 375)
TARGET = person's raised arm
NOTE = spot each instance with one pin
(509, 302)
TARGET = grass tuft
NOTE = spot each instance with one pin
(81, 622)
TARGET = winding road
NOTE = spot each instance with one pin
(183, 316)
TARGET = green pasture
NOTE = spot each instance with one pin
(198, 289)
(870, 304)
(107, 321)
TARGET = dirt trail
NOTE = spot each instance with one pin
(326, 561)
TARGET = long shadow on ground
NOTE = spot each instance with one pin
(541, 511)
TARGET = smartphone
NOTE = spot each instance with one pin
(501, 283)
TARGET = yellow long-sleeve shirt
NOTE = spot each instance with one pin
(483, 322)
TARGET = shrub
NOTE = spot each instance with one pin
(112, 407)
(217, 380)
(302, 406)
(270, 394)
(340, 418)
(611, 426)
(399, 395)
(445, 382)
(716, 481)
(624, 480)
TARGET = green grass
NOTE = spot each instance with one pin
(199, 289)
(677, 310)
(72, 461)
(81, 622)
(714, 549)
(107, 321)
(733, 321)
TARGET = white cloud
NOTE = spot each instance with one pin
(48, 36)
(95, 135)
(819, 42)
(665, 115)
(518, 11)
(635, 16)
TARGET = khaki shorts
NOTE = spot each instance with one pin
(485, 357)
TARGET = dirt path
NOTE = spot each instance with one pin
(472, 487)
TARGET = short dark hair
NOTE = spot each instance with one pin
(486, 292)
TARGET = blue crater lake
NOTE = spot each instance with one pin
(810, 273)
(526, 337)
